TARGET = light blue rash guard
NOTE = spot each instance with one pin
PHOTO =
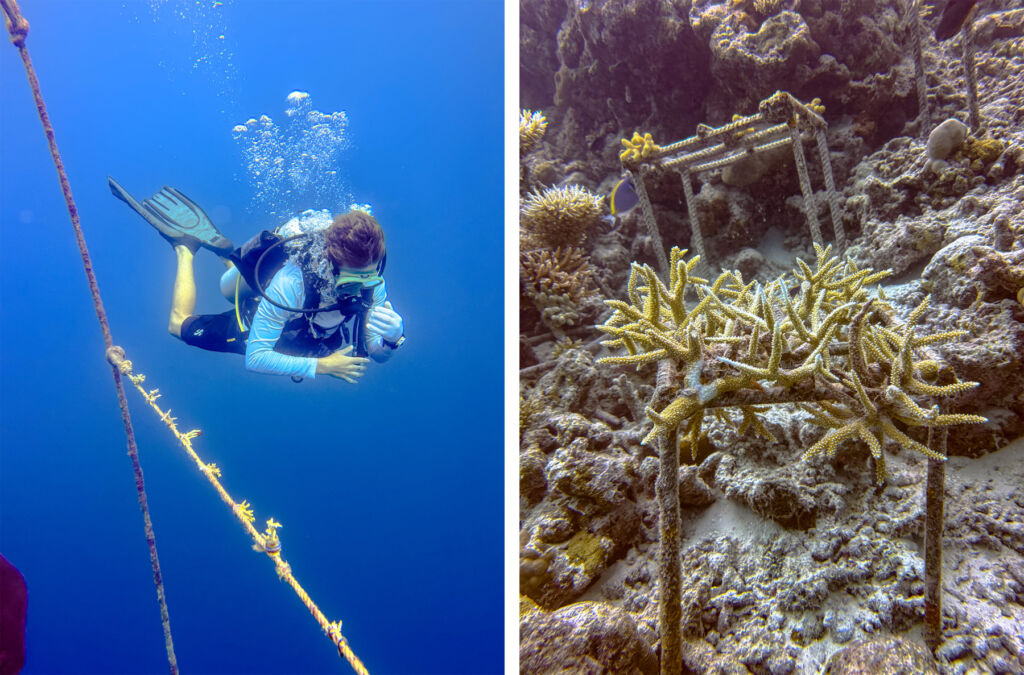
(286, 288)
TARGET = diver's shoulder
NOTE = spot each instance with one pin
(289, 277)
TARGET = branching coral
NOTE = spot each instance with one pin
(819, 340)
(638, 148)
(559, 216)
(558, 282)
(532, 126)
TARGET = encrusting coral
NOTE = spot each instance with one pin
(833, 349)
(559, 216)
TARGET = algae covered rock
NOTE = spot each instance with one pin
(945, 276)
(749, 64)
(600, 478)
(585, 637)
(892, 656)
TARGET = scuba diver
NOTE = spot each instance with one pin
(308, 298)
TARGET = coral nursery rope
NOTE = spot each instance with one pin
(267, 541)
(17, 26)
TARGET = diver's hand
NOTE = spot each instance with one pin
(340, 364)
(385, 322)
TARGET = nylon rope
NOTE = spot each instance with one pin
(810, 206)
(267, 541)
(649, 221)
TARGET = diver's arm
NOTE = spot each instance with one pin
(286, 289)
(375, 347)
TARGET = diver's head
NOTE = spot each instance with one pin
(355, 247)
(355, 240)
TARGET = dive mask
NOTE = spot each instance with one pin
(353, 283)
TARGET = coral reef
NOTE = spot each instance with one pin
(784, 561)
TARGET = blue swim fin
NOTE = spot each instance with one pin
(177, 218)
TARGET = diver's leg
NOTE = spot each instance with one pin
(183, 302)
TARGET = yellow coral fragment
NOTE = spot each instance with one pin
(638, 148)
(244, 511)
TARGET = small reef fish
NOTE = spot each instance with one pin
(623, 197)
(953, 16)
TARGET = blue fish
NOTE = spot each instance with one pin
(623, 197)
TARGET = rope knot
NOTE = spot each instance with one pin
(15, 23)
(116, 357)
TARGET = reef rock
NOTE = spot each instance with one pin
(892, 656)
(585, 637)
(750, 64)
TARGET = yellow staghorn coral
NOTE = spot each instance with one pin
(822, 339)
(559, 216)
(532, 125)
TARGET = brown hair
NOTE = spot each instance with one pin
(355, 239)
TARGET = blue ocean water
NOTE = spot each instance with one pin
(389, 490)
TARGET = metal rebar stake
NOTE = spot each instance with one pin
(669, 568)
(935, 492)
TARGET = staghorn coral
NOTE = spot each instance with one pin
(559, 216)
(558, 282)
(532, 125)
(832, 349)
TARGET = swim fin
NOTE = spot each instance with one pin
(177, 218)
